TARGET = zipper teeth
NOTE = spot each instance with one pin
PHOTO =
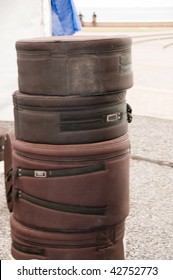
(89, 116)
(73, 171)
(70, 126)
(91, 243)
(66, 231)
(28, 250)
(86, 210)
(116, 106)
(104, 51)
(100, 121)
(72, 160)
(108, 93)
(56, 54)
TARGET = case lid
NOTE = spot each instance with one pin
(75, 44)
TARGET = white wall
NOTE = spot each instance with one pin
(19, 19)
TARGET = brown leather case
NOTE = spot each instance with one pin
(74, 65)
(69, 119)
(66, 188)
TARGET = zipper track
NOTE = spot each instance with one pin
(56, 54)
(28, 250)
(109, 106)
(42, 158)
(50, 173)
(68, 231)
(94, 242)
(94, 115)
(69, 122)
(111, 232)
(74, 122)
(90, 243)
(85, 210)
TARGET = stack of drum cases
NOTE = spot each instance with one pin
(67, 173)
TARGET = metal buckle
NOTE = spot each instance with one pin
(112, 117)
(40, 174)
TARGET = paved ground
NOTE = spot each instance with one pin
(149, 227)
(150, 223)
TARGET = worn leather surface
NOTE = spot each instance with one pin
(74, 65)
(69, 120)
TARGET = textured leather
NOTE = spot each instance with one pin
(74, 65)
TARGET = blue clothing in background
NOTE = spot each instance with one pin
(65, 20)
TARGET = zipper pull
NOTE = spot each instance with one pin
(18, 194)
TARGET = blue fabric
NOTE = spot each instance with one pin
(65, 20)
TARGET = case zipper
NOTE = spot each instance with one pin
(103, 237)
(50, 173)
(56, 54)
(102, 119)
(47, 159)
(85, 210)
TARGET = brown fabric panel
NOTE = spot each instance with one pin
(74, 66)
(103, 243)
(46, 119)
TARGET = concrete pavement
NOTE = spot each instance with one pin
(150, 223)
(152, 94)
